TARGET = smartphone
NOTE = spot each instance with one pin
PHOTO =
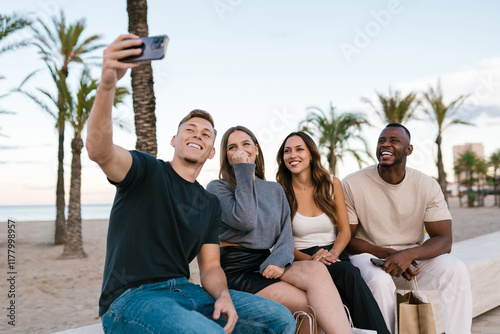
(153, 48)
(377, 262)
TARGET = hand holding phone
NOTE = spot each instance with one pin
(378, 262)
(153, 48)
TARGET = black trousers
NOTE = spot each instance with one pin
(354, 292)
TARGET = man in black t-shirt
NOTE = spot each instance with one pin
(162, 219)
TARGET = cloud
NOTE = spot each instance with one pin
(22, 147)
(475, 111)
(481, 81)
(7, 147)
(23, 162)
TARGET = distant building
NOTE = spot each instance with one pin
(458, 150)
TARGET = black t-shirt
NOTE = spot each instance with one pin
(158, 224)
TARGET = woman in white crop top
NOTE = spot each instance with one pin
(318, 211)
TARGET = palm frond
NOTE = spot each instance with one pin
(9, 25)
(395, 108)
(334, 132)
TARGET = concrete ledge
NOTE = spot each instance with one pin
(92, 329)
(481, 255)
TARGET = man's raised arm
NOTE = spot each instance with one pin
(114, 160)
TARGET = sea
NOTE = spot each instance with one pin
(48, 212)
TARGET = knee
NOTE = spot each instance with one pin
(453, 269)
(380, 280)
(315, 268)
(284, 319)
(311, 272)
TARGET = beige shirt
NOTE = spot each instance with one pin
(393, 214)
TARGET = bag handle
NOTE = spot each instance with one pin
(415, 290)
(349, 316)
(311, 316)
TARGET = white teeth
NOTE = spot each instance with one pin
(195, 146)
(294, 163)
(387, 153)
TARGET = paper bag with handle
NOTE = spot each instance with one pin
(414, 314)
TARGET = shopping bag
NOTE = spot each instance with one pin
(357, 330)
(414, 314)
(304, 318)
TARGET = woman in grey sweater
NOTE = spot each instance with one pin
(256, 218)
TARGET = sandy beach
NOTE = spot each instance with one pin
(54, 295)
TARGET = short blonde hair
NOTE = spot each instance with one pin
(200, 114)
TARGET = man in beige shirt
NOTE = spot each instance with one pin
(389, 205)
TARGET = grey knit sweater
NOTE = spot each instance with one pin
(256, 215)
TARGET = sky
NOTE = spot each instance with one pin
(261, 64)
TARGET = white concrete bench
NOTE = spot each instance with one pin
(92, 329)
(481, 255)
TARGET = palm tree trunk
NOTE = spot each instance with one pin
(60, 200)
(142, 83)
(495, 196)
(459, 181)
(332, 161)
(73, 245)
(478, 190)
(441, 173)
(470, 197)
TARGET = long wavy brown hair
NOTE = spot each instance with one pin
(321, 179)
(226, 172)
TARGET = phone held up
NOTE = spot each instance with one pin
(153, 48)
(377, 262)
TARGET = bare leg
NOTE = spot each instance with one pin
(310, 283)
(287, 295)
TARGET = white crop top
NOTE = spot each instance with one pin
(312, 231)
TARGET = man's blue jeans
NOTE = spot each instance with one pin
(179, 306)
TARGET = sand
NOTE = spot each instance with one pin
(54, 295)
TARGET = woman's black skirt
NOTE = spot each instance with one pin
(242, 268)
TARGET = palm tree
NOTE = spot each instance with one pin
(142, 83)
(482, 172)
(79, 111)
(335, 132)
(495, 163)
(468, 161)
(457, 168)
(444, 115)
(60, 45)
(9, 25)
(394, 108)
(76, 112)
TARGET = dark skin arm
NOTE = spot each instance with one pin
(398, 263)
(358, 246)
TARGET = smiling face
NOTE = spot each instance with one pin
(241, 148)
(393, 147)
(194, 142)
(296, 155)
